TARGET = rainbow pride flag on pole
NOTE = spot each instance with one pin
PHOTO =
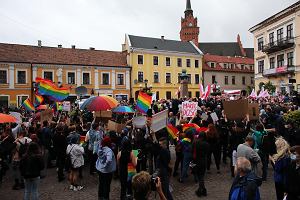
(143, 102)
(48, 88)
(38, 100)
(28, 105)
(173, 132)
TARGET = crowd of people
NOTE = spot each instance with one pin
(141, 158)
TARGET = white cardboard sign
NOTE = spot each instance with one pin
(67, 106)
(159, 120)
(189, 109)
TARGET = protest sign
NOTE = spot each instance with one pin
(46, 115)
(114, 126)
(214, 117)
(17, 116)
(139, 122)
(189, 109)
(159, 120)
(204, 116)
(66, 106)
(236, 109)
(253, 111)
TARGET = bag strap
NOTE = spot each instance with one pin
(71, 149)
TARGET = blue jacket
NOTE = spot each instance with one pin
(280, 169)
(106, 162)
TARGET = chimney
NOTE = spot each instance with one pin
(39, 43)
(92, 48)
(162, 38)
(59, 46)
(73, 46)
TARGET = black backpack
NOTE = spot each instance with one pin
(23, 148)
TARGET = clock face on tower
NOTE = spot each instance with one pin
(190, 24)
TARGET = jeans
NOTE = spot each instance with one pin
(165, 187)
(31, 188)
(104, 185)
(187, 157)
(200, 172)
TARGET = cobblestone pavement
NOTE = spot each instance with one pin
(217, 185)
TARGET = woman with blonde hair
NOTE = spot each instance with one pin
(280, 162)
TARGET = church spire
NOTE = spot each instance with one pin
(188, 10)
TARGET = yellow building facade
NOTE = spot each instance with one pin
(101, 72)
(160, 62)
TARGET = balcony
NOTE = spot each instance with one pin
(279, 45)
(279, 71)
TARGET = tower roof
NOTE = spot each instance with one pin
(188, 5)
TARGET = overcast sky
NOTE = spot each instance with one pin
(103, 23)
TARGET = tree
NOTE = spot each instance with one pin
(270, 87)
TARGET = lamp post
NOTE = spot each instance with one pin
(146, 89)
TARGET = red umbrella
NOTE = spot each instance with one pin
(7, 118)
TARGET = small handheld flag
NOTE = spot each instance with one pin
(28, 105)
(173, 132)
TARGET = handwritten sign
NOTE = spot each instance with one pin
(159, 120)
(189, 109)
(66, 106)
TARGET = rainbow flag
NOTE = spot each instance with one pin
(38, 100)
(131, 171)
(28, 105)
(48, 88)
(173, 132)
(143, 102)
(82, 139)
(186, 141)
(188, 126)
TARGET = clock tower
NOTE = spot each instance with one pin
(189, 29)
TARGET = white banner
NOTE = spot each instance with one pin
(159, 120)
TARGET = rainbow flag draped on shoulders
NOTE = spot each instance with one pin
(48, 88)
(173, 132)
(143, 102)
(28, 105)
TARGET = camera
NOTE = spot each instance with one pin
(154, 179)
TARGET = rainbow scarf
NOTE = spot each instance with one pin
(131, 171)
(38, 100)
(48, 88)
(28, 105)
(186, 141)
(82, 140)
(143, 102)
(173, 132)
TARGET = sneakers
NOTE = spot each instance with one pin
(76, 188)
(79, 187)
(71, 187)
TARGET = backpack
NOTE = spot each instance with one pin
(239, 193)
(23, 148)
(69, 162)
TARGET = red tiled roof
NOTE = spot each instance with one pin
(228, 60)
(54, 55)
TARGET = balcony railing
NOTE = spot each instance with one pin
(279, 45)
(279, 71)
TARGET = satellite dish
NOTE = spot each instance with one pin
(81, 90)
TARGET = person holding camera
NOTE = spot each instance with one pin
(143, 183)
(163, 168)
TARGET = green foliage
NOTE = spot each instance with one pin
(270, 87)
(293, 117)
(260, 85)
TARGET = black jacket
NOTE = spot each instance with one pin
(293, 182)
(31, 166)
(200, 152)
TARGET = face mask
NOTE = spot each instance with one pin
(293, 157)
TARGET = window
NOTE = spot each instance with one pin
(188, 62)
(213, 79)
(280, 34)
(289, 31)
(251, 67)
(168, 77)
(225, 66)
(21, 77)
(271, 38)
(3, 77)
(4, 101)
(196, 63)
(261, 64)
(242, 67)
(140, 59)
(226, 80)
(155, 60)
(189, 78)
(280, 60)
(48, 75)
(272, 63)
(179, 62)
(197, 94)
(140, 77)
(21, 99)
(233, 80)
(260, 43)
(290, 58)
(168, 95)
(71, 77)
(212, 65)
(197, 79)
(120, 79)
(231, 66)
(156, 77)
(85, 78)
(252, 80)
(244, 80)
(179, 77)
(168, 61)
(105, 79)
(190, 94)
